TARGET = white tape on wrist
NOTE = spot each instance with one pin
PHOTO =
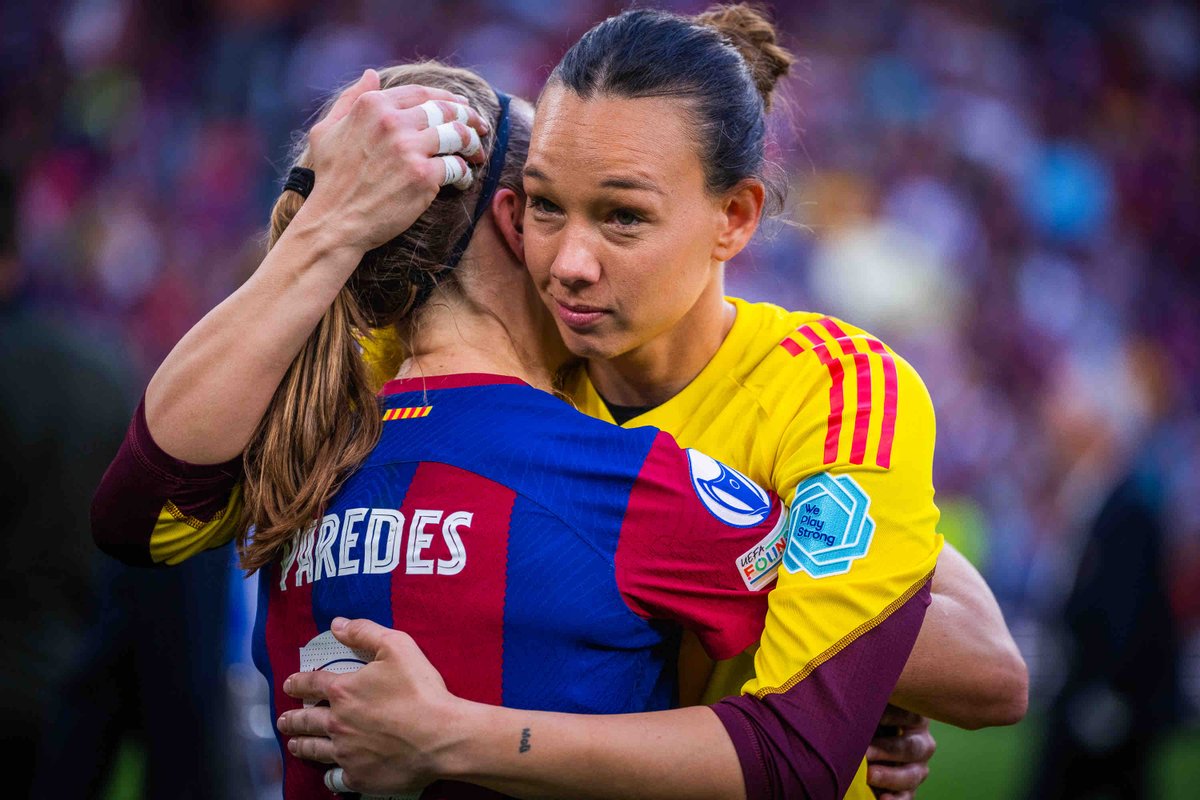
(456, 176)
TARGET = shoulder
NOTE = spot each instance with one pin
(783, 346)
(836, 394)
(531, 441)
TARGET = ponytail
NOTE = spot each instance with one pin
(321, 423)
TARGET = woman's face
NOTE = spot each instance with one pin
(620, 232)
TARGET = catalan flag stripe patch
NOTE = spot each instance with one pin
(411, 412)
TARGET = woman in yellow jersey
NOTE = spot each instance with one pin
(646, 174)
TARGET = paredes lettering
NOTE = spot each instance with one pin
(376, 540)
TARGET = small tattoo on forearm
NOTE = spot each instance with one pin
(525, 745)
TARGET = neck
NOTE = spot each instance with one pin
(452, 336)
(659, 369)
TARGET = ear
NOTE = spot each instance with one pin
(508, 212)
(739, 211)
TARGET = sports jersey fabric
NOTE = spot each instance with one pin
(522, 545)
(832, 420)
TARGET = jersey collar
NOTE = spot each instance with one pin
(456, 381)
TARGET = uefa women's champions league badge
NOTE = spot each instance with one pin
(728, 494)
(829, 528)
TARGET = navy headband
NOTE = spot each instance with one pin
(494, 169)
(428, 280)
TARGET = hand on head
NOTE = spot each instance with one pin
(381, 156)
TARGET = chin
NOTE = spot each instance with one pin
(590, 346)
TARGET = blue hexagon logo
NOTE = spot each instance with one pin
(828, 528)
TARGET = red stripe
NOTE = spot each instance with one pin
(862, 369)
(290, 626)
(792, 346)
(457, 618)
(837, 401)
(890, 395)
(457, 381)
(835, 329)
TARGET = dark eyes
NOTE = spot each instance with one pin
(542, 205)
(625, 218)
(620, 218)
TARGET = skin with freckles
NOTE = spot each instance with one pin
(625, 243)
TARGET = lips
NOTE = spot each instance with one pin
(577, 316)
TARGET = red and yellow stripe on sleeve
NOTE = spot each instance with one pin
(411, 412)
(863, 391)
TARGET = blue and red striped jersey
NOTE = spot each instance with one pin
(540, 558)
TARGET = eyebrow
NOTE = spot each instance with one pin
(622, 182)
(631, 183)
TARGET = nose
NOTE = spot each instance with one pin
(575, 265)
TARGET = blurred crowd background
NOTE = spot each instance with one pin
(1007, 192)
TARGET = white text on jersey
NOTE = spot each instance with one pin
(370, 543)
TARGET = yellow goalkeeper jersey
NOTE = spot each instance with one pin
(836, 423)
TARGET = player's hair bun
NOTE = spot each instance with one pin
(751, 31)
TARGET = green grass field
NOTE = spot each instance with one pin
(990, 764)
(994, 764)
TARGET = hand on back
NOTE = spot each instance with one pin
(385, 725)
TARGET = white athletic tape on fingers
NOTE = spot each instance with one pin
(461, 114)
(473, 143)
(433, 113)
(335, 780)
(456, 175)
(450, 140)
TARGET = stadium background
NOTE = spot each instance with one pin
(1006, 192)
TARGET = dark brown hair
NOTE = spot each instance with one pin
(724, 63)
(324, 418)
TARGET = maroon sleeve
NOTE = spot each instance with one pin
(809, 740)
(677, 560)
(140, 481)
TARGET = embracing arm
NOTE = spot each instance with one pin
(172, 489)
(209, 395)
(660, 755)
(965, 668)
(393, 727)
(373, 180)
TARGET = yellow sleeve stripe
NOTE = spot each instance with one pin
(872, 413)
(846, 640)
(178, 536)
(412, 412)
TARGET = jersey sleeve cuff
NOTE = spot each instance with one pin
(169, 468)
